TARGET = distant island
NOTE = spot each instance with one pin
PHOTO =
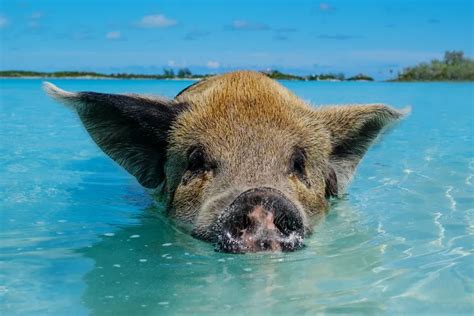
(454, 67)
(275, 74)
(183, 73)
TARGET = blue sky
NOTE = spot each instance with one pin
(302, 37)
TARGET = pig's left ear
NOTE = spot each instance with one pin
(131, 129)
(352, 130)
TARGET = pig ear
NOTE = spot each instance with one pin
(352, 130)
(131, 129)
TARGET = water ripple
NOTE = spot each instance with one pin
(441, 229)
(450, 198)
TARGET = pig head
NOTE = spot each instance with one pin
(237, 158)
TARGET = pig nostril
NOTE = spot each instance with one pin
(237, 225)
(246, 222)
(279, 219)
(266, 245)
(285, 224)
(259, 220)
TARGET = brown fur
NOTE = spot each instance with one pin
(249, 126)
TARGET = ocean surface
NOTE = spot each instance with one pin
(79, 236)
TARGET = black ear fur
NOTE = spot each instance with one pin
(352, 130)
(131, 129)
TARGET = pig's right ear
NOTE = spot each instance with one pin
(352, 129)
(131, 129)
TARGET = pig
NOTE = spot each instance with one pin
(238, 160)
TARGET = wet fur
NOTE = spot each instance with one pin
(248, 126)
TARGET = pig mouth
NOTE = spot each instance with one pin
(259, 220)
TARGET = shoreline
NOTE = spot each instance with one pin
(183, 74)
(198, 79)
(97, 78)
(168, 79)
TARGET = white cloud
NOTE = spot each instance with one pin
(248, 26)
(83, 34)
(36, 15)
(213, 64)
(113, 35)
(239, 24)
(3, 21)
(195, 35)
(171, 63)
(326, 7)
(156, 21)
(35, 19)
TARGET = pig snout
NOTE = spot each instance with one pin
(260, 219)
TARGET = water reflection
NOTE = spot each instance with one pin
(152, 267)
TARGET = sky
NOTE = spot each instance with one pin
(378, 38)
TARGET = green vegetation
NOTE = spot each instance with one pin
(275, 74)
(454, 67)
(167, 74)
(184, 73)
(360, 77)
(329, 76)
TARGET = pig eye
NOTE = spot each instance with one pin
(298, 161)
(298, 165)
(197, 161)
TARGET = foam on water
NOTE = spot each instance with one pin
(80, 236)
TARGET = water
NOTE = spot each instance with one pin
(80, 236)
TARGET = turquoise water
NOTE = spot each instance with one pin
(79, 236)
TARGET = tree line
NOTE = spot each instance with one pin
(275, 74)
(168, 73)
(453, 67)
(183, 73)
